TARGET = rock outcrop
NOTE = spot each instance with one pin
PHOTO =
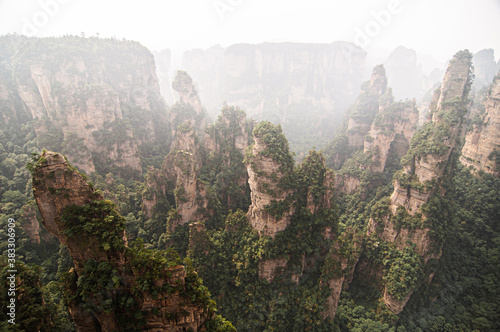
(107, 273)
(268, 164)
(400, 222)
(485, 68)
(304, 87)
(482, 144)
(376, 128)
(181, 167)
(156, 188)
(189, 107)
(391, 132)
(95, 100)
(339, 268)
(361, 116)
(433, 144)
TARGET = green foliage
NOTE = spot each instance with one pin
(276, 144)
(495, 156)
(428, 140)
(392, 114)
(223, 170)
(219, 324)
(97, 220)
(465, 292)
(32, 312)
(404, 273)
(402, 219)
(179, 193)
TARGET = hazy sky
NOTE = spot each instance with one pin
(438, 27)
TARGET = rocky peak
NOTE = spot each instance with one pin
(231, 129)
(456, 84)
(183, 84)
(107, 272)
(268, 163)
(391, 131)
(432, 145)
(378, 81)
(482, 144)
(189, 107)
(181, 166)
(424, 167)
(363, 112)
(485, 67)
(82, 106)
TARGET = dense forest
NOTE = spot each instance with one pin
(391, 226)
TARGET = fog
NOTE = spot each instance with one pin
(439, 28)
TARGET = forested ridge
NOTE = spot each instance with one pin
(323, 208)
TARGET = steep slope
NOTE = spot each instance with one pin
(485, 68)
(268, 165)
(96, 100)
(304, 87)
(482, 144)
(376, 131)
(205, 162)
(358, 119)
(113, 286)
(274, 256)
(189, 107)
(407, 224)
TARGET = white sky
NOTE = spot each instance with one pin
(437, 27)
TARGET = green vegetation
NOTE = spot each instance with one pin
(96, 219)
(323, 241)
(276, 144)
(466, 285)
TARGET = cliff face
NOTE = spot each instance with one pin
(86, 96)
(433, 144)
(391, 132)
(265, 175)
(366, 107)
(304, 87)
(485, 68)
(189, 107)
(376, 128)
(340, 264)
(249, 75)
(94, 234)
(225, 144)
(401, 222)
(181, 166)
(482, 144)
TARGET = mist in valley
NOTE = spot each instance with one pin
(230, 165)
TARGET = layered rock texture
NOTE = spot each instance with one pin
(95, 100)
(189, 107)
(181, 166)
(375, 130)
(111, 284)
(433, 144)
(205, 156)
(304, 87)
(403, 222)
(268, 165)
(482, 144)
(365, 108)
(391, 132)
